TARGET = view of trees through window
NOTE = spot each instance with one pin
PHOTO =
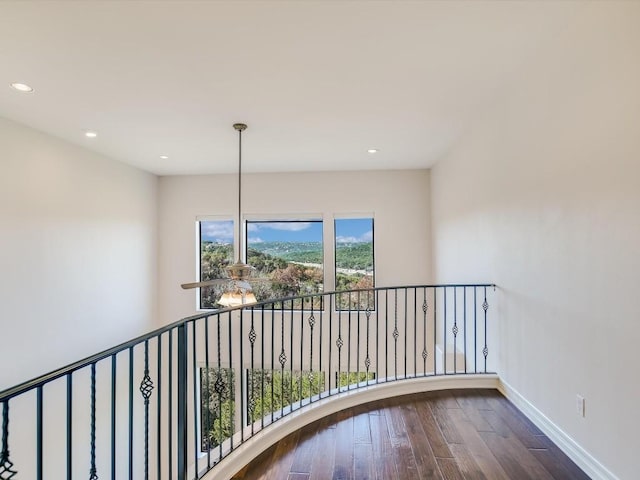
(289, 256)
(354, 263)
(268, 393)
(216, 253)
(217, 406)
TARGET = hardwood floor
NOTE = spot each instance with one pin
(454, 434)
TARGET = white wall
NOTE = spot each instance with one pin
(399, 201)
(542, 197)
(77, 253)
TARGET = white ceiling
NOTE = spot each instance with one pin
(318, 82)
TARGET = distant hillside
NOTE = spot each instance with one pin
(303, 252)
(355, 256)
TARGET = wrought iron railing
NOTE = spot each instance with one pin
(173, 403)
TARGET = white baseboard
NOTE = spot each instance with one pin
(254, 446)
(568, 445)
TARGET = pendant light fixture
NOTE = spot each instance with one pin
(240, 292)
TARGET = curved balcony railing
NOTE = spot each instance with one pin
(174, 403)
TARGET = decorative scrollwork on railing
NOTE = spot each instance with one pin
(6, 466)
(146, 389)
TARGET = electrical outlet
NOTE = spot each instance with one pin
(580, 405)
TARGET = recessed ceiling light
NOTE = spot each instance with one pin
(90, 134)
(372, 150)
(164, 157)
(22, 87)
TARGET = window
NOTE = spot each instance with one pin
(347, 379)
(217, 406)
(354, 263)
(289, 254)
(216, 253)
(271, 391)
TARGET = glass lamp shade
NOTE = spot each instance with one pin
(234, 299)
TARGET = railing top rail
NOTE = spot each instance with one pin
(42, 380)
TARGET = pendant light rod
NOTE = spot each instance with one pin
(240, 127)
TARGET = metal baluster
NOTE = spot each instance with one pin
(358, 341)
(146, 388)
(69, 425)
(444, 329)
(475, 329)
(6, 466)
(386, 335)
(241, 375)
(291, 351)
(485, 350)
(301, 349)
(206, 408)
(159, 412)
(181, 413)
(282, 358)
(330, 340)
(435, 331)
(273, 352)
(262, 336)
(93, 473)
(415, 332)
(349, 342)
(367, 360)
(194, 380)
(130, 413)
(464, 316)
(113, 415)
(251, 377)
(454, 330)
(312, 322)
(229, 384)
(39, 426)
(396, 334)
(339, 344)
(425, 308)
(320, 373)
(406, 331)
(377, 307)
(218, 386)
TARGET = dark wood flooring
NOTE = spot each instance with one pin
(453, 434)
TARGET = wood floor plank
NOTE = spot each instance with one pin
(361, 429)
(385, 468)
(472, 405)
(322, 464)
(432, 430)
(557, 462)
(305, 450)
(466, 463)
(484, 458)
(422, 452)
(343, 459)
(503, 406)
(363, 462)
(285, 453)
(447, 426)
(514, 457)
(449, 469)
